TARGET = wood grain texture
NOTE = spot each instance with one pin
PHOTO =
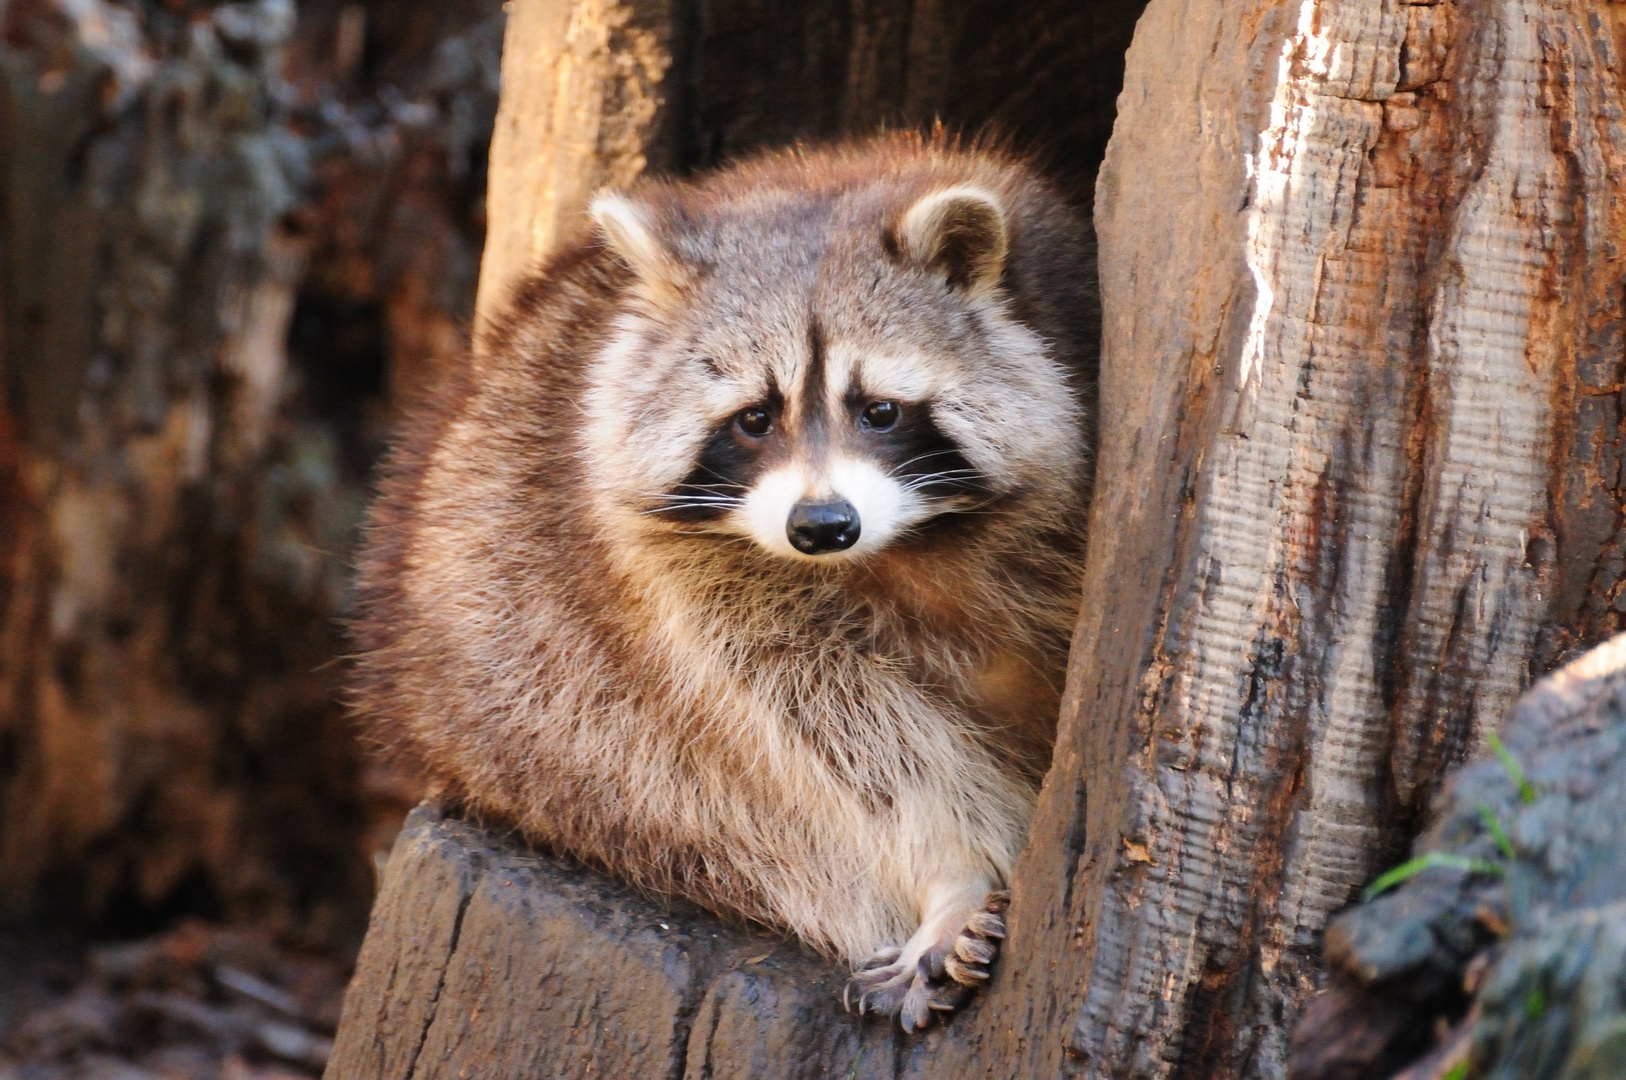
(1343, 330)
(485, 959)
(581, 109)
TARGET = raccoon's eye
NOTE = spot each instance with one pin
(754, 422)
(881, 415)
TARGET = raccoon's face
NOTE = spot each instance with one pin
(839, 466)
(823, 379)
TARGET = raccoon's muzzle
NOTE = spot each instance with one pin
(818, 528)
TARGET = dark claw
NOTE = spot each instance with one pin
(986, 924)
(939, 982)
(916, 1013)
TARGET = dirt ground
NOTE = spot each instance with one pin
(198, 1002)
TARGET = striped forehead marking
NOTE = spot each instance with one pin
(809, 403)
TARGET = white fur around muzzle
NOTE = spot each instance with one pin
(885, 507)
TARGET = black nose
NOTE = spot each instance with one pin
(816, 528)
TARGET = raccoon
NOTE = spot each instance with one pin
(742, 558)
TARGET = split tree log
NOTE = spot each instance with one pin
(1359, 481)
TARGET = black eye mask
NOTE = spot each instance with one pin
(730, 462)
(914, 451)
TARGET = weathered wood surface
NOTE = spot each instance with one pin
(1526, 961)
(485, 959)
(580, 110)
(226, 240)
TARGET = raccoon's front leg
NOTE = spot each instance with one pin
(941, 964)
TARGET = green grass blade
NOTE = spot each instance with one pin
(1494, 827)
(1433, 860)
(1527, 791)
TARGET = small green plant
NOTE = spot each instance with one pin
(1459, 1071)
(1449, 861)
(1527, 791)
(1494, 827)
(1535, 1003)
(1443, 860)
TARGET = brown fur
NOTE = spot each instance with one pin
(843, 749)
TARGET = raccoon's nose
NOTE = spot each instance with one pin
(816, 528)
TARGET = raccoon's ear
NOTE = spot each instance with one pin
(960, 231)
(629, 230)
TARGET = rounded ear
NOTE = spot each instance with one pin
(629, 230)
(960, 231)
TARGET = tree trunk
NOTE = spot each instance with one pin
(1359, 480)
(597, 92)
(1359, 474)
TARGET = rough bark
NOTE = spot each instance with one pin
(149, 282)
(1359, 479)
(487, 959)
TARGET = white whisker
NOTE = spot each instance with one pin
(919, 457)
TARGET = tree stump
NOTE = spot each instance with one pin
(1359, 480)
(227, 239)
(485, 959)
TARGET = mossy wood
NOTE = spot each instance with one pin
(1521, 958)
(1358, 482)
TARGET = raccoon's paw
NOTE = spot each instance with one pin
(929, 977)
